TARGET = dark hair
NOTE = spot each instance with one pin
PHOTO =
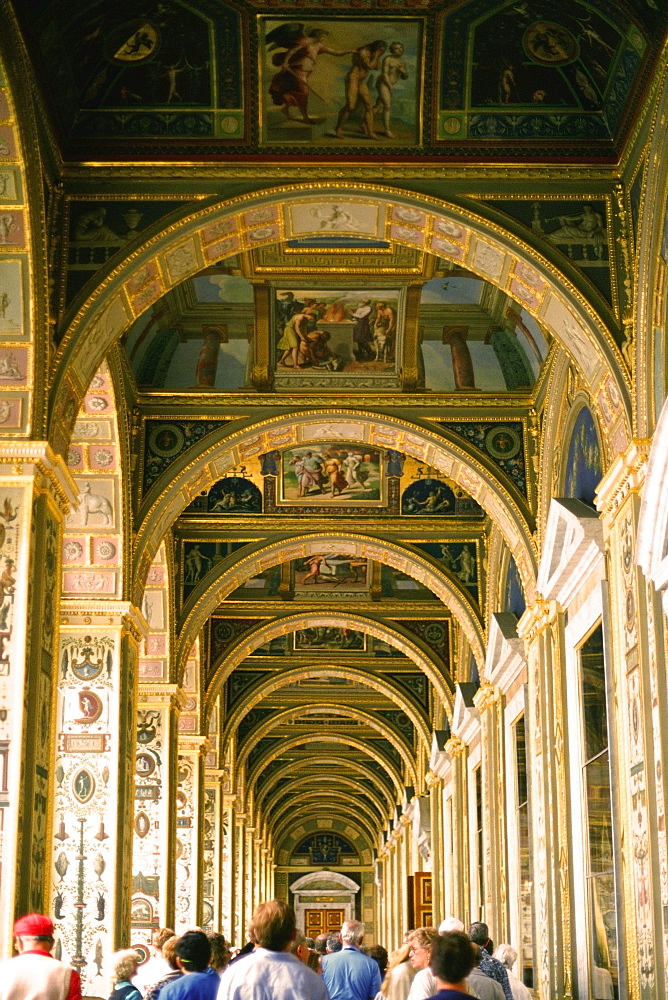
(452, 957)
(274, 925)
(334, 943)
(194, 950)
(479, 933)
(379, 955)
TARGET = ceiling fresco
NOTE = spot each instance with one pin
(445, 78)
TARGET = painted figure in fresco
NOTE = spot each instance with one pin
(294, 342)
(309, 472)
(333, 465)
(296, 61)
(365, 59)
(384, 325)
(586, 228)
(286, 307)
(392, 68)
(362, 336)
(8, 367)
(195, 564)
(94, 503)
(4, 303)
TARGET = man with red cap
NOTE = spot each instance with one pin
(34, 974)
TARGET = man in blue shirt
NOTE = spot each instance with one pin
(479, 934)
(199, 980)
(349, 974)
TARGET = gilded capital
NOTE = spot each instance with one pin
(454, 747)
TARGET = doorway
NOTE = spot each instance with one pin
(322, 922)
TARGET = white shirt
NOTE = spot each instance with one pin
(151, 973)
(424, 985)
(271, 975)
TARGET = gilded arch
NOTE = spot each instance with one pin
(340, 711)
(274, 810)
(218, 231)
(373, 681)
(190, 475)
(343, 738)
(409, 645)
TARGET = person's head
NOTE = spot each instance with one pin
(333, 943)
(160, 937)
(420, 943)
(450, 924)
(396, 48)
(220, 951)
(506, 954)
(479, 933)
(310, 943)
(380, 305)
(321, 943)
(169, 952)
(378, 46)
(274, 925)
(123, 965)
(317, 34)
(352, 932)
(193, 952)
(300, 948)
(379, 955)
(452, 957)
(34, 930)
(287, 296)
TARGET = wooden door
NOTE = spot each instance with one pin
(322, 922)
(422, 901)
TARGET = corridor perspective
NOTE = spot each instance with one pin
(333, 475)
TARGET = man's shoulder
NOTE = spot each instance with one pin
(198, 984)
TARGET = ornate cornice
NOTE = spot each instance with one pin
(38, 458)
(192, 743)
(626, 475)
(81, 613)
(161, 695)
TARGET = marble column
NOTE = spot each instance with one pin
(461, 896)
(541, 627)
(637, 627)
(207, 362)
(462, 363)
(435, 786)
(489, 702)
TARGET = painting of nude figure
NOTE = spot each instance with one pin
(332, 474)
(340, 82)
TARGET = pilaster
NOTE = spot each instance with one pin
(489, 702)
(457, 751)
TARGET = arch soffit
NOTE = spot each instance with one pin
(335, 738)
(336, 877)
(373, 681)
(396, 636)
(336, 711)
(254, 220)
(229, 575)
(367, 821)
(352, 765)
(327, 788)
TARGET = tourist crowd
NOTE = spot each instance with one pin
(277, 963)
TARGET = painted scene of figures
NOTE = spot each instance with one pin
(328, 332)
(322, 574)
(331, 473)
(324, 637)
(338, 83)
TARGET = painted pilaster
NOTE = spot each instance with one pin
(94, 767)
(240, 882)
(154, 834)
(189, 830)
(35, 493)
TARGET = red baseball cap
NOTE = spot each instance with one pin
(34, 925)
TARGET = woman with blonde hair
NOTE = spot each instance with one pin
(399, 976)
(123, 967)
